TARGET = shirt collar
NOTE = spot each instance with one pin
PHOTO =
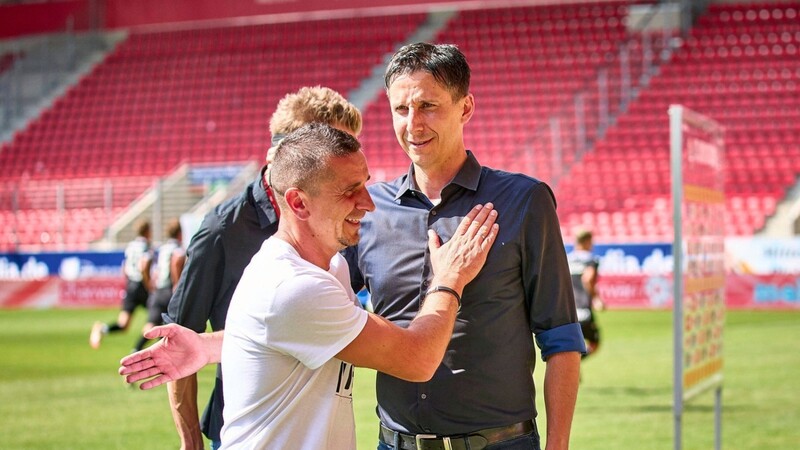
(468, 177)
(266, 213)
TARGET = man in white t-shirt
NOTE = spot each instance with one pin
(287, 321)
(294, 330)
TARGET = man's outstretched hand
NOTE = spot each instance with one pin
(180, 353)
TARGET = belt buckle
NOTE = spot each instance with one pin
(418, 438)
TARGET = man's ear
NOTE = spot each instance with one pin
(469, 108)
(296, 200)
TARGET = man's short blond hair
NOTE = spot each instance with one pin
(314, 104)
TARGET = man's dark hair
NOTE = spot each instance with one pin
(173, 228)
(444, 61)
(142, 227)
(301, 159)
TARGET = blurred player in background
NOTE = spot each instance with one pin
(169, 265)
(136, 268)
(583, 266)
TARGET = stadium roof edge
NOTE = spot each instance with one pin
(344, 13)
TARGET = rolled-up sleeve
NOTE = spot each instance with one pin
(566, 338)
(548, 285)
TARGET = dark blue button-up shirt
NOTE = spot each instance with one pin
(485, 379)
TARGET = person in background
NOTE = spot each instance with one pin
(136, 268)
(228, 238)
(583, 266)
(169, 264)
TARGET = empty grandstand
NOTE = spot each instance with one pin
(573, 93)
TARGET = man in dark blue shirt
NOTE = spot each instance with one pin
(482, 395)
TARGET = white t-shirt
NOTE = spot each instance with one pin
(283, 387)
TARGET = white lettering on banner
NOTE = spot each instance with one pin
(702, 152)
(71, 269)
(619, 291)
(90, 292)
(74, 268)
(616, 262)
(657, 263)
(31, 270)
(658, 291)
(638, 291)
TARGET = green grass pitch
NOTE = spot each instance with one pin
(57, 393)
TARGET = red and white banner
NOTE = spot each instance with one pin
(742, 291)
(52, 292)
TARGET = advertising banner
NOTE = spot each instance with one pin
(760, 274)
(697, 153)
(77, 279)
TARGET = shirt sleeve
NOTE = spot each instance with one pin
(312, 319)
(200, 281)
(566, 338)
(548, 285)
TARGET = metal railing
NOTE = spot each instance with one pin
(576, 127)
(40, 68)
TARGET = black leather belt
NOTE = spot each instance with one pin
(473, 441)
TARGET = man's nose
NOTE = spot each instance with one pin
(365, 202)
(414, 121)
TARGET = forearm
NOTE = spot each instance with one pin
(432, 329)
(212, 345)
(560, 394)
(183, 403)
(413, 353)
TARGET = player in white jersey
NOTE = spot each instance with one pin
(583, 266)
(170, 260)
(136, 268)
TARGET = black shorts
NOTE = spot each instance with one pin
(157, 305)
(135, 295)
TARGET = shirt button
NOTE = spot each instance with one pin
(433, 213)
(424, 396)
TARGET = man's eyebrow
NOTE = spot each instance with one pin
(357, 184)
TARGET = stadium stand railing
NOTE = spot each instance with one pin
(527, 61)
(167, 98)
(571, 94)
(738, 65)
